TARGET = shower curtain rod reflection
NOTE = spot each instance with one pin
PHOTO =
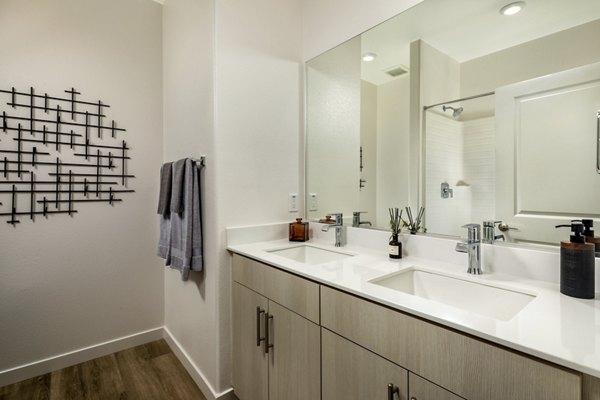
(425, 108)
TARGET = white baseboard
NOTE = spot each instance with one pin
(197, 375)
(65, 360)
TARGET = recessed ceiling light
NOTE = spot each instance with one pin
(369, 57)
(512, 8)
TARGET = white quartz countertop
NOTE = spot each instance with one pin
(553, 327)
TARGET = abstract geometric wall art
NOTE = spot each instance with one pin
(57, 152)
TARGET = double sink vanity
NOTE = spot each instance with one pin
(314, 321)
(459, 291)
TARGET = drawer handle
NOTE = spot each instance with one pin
(392, 390)
(268, 345)
(259, 338)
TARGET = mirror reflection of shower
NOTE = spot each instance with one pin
(459, 152)
(455, 111)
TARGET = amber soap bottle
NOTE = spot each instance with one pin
(298, 231)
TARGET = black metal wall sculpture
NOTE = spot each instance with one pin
(37, 133)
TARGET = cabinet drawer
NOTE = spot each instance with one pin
(353, 373)
(292, 292)
(420, 389)
(464, 365)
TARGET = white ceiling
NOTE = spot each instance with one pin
(467, 29)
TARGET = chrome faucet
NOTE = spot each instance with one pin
(356, 222)
(489, 232)
(472, 246)
(339, 229)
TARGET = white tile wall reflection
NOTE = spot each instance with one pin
(458, 151)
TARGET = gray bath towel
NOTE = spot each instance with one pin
(181, 234)
(164, 243)
(164, 197)
(177, 186)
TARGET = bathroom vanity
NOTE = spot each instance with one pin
(313, 321)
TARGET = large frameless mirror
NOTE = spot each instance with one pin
(461, 109)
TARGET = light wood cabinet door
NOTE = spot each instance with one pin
(471, 368)
(351, 372)
(295, 358)
(421, 389)
(591, 388)
(250, 367)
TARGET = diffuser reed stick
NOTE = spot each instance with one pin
(414, 225)
(395, 220)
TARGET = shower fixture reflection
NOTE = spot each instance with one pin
(456, 111)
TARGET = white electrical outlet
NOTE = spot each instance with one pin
(293, 202)
(313, 202)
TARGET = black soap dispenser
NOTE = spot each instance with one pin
(577, 264)
(588, 232)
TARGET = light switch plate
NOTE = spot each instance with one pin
(313, 202)
(293, 202)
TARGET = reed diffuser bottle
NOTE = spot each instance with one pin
(395, 246)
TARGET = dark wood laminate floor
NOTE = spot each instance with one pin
(147, 372)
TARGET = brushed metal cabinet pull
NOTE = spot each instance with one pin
(259, 338)
(392, 390)
(268, 345)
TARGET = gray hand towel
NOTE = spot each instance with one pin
(184, 250)
(178, 186)
(164, 243)
(164, 197)
(197, 263)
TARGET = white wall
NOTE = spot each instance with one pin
(333, 125)
(440, 76)
(191, 307)
(563, 50)
(233, 89)
(329, 23)
(367, 197)
(258, 120)
(393, 147)
(67, 283)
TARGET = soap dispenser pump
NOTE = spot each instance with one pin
(577, 264)
(588, 232)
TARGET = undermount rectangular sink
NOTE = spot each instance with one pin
(309, 255)
(475, 297)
